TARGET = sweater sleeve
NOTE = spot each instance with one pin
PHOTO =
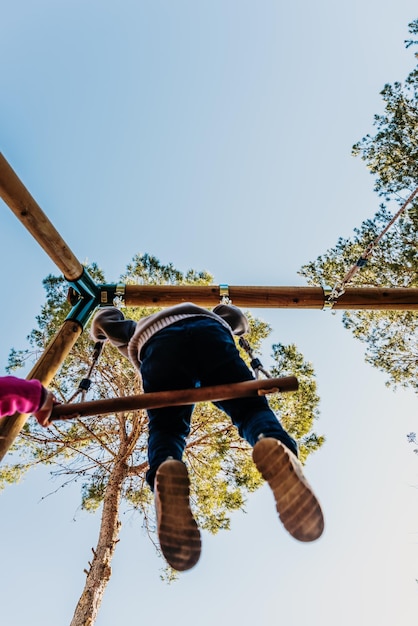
(18, 395)
(234, 317)
(110, 323)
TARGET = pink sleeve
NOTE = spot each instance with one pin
(18, 395)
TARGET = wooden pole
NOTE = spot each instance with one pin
(19, 200)
(44, 370)
(371, 298)
(176, 398)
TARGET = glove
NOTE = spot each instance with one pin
(44, 412)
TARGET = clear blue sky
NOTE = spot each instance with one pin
(215, 135)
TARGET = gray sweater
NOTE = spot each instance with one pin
(129, 337)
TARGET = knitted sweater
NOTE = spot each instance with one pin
(130, 337)
(20, 396)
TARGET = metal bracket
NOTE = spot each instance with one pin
(112, 295)
(328, 300)
(224, 294)
(83, 294)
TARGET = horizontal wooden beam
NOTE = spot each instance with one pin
(19, 200)
(370, 298)
(176, 398)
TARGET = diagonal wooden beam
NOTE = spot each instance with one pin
(19, 200)
(44, 370)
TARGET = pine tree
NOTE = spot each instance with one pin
(391, 155)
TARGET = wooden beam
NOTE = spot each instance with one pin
(177, 397)
(378, 298)
(44, 370)
(370, 298)
(19, 200)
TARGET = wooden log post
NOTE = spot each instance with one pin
(44, 370)
(19, 200)
(176, 398)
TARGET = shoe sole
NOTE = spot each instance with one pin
(296, 504)
(178, 532)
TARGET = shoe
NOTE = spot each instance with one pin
(178, 532)
(296, 504)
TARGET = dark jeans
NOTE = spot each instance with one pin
(199, 352)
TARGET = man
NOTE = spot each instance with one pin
(182, 347)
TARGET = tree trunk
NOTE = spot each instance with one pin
(100, 571)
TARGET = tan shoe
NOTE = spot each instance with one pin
(178, 532)
(296, 504)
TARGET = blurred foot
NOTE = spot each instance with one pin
(178, 532)
(296, 504)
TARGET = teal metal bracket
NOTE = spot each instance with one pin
(86, 296)
(112, 294)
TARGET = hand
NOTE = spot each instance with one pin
(44, 412)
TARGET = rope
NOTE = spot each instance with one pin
(255, 363)
(339, 287)
(85, 383)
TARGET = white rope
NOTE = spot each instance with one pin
(339, 287)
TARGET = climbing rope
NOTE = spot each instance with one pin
(255, 363)
(85, 383)
(339, 287)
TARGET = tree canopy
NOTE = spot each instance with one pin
(391, 156)
(107, 455)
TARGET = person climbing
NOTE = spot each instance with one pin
(26, 396)
(185, 346)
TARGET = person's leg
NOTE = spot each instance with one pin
(178, 533)
(219, 362)
(296, 503)
(163, 368)
(254, 420)
(274, 451)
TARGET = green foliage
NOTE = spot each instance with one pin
(392, 157)
(92, 493)
(11, 473)
(87, 450)
(390, 336)
(298, 410)
(391, 154)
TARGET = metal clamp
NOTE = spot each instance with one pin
(112, 294)
(224, 294)
(329, 298)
